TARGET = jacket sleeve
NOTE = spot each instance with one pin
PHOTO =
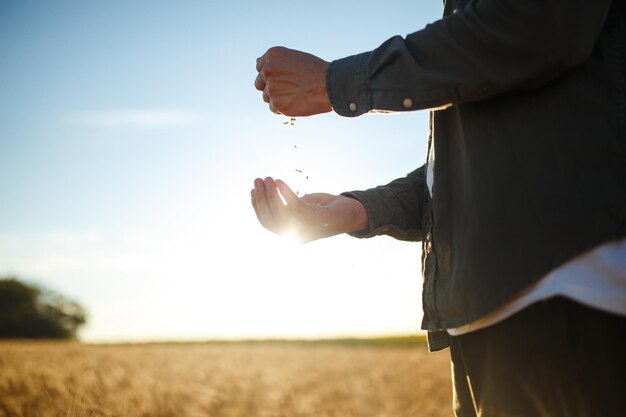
(488, 48)
(394, 209)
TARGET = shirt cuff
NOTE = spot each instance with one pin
(346, 84)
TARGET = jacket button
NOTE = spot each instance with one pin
(352, 106)
(407, 103)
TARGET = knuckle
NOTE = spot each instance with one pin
(273, 52)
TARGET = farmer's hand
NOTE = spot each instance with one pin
(313, 216)
(293, 82)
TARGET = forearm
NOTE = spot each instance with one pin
(394, 209)
(489, 48)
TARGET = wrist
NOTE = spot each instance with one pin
(356, 215)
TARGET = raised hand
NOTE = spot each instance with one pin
(293, 82)
(311, 217)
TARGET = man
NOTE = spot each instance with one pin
(521, 206)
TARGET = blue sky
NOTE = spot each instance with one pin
(130, 134)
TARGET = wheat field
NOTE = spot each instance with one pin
(69, 379)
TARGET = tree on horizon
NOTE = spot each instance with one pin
(29, 312)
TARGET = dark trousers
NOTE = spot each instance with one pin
(557, 358)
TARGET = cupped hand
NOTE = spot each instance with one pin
(311, 217)
(293, 82)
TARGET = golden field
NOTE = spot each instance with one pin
(69, 379)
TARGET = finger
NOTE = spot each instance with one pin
(256, 197)
(256, 209)
(260, 62)
(276, 204)
(259, 81)
(262, 208)
(273, 109)
(252, 200)
(266, 96)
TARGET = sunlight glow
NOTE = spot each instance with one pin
(289, 240)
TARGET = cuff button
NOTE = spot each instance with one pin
(352, 106)
(407, 103)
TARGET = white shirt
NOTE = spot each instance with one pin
(596, 278)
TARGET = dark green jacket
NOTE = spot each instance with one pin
(530, 144)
